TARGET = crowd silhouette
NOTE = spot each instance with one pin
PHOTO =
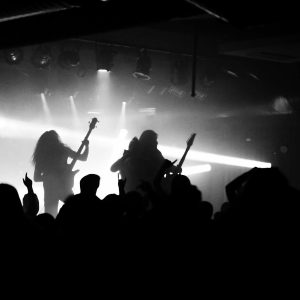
(146, 226)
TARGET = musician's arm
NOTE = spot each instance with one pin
(117, 165)
(84, 155)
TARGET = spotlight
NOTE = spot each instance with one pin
(104, 58)
(143, 66)
(68, 59)
(282, 106)
(215, 158)
(41, 57)
(13, 56)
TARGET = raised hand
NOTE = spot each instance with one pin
(121, 183)
(28, 183)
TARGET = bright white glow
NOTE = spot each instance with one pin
(32, 130)
(104, 90)
(123, 133)
(196, 169)
(20, 129)
(214, 158)
(109, 180)
(119, 145)
(123, 114)
(93, 113)
(149, 111)
(46, 107)
(103, 71)
(74, 111)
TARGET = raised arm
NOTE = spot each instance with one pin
(30, 200)
(117, 165)
(83, 156)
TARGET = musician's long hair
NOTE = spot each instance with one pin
(148, 140)
(48, 150)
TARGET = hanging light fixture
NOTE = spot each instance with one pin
(41, 57)
(13, 56)
(104, 58)
(68, 59)
(143, 66)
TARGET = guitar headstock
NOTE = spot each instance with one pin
(93, 123)
(191, 139)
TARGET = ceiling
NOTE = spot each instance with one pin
(252, 30)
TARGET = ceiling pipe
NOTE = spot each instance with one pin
(194, 67)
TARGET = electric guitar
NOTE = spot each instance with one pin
(170, 175)
(70, 174)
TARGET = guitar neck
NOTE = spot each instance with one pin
(183, 157)
(73, 162)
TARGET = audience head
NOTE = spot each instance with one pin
(89, 184)
(11, 208)
(180, 184)
(45, 220)
(31, 205)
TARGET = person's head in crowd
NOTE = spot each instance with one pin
(89, 184)
(11, 208)
(180, 184)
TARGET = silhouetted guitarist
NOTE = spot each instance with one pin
(50, 161)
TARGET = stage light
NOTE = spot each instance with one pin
(254, 76)
(46, 109)
(13, 56)
(123, 133)
(282, 106)
(187, 171)
(148, 111)
(74, 110)
(214, 158)
(68, 59)
(104, 58)
(41, 57)
(231, 73)
(143, 66)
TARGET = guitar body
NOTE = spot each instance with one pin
(68, 181)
